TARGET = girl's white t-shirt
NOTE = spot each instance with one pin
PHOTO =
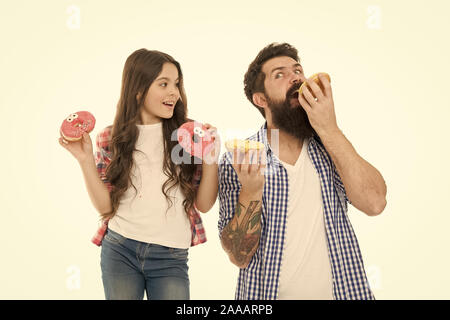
(305, 266)
(142, 213)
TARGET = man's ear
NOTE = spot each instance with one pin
(260, 99)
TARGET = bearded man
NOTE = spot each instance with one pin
(283, 211)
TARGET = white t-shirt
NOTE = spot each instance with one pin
(305, 267)
(143, 216)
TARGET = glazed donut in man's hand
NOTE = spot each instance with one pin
(315, 78)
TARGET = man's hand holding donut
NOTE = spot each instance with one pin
(320, 110)
(249, 166)
(364, 185)
(240, 237)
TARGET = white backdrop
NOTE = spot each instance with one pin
(388, 62)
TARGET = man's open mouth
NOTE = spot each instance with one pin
(292, 95)
(293, 91)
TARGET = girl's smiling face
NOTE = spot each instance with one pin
(162, 96)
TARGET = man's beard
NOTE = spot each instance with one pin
(289, 116)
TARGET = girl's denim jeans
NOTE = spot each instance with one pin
(130, 268)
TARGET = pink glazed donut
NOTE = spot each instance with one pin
(195, 139)
(76, 124)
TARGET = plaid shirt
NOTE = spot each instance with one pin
(103, 158)
(261, 277)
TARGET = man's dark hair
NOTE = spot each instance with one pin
(254, 77)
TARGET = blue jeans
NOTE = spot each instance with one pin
(131, 267)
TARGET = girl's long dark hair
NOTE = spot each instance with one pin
(141, 68)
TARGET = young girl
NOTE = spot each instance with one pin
(149, 204)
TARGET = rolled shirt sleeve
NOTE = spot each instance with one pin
(103, 155)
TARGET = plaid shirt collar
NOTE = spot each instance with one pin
(261, 136)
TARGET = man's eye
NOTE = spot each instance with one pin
(298, 71)
(278, 75)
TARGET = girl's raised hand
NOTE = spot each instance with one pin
(81, 149)
(213, 156)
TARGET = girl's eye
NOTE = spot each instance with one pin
(164, 84)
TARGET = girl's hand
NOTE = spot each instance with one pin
(81, 149)
(213, 156)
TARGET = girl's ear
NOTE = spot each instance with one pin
(138, 97)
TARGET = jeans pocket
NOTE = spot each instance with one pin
(180, 254)
(114, 237)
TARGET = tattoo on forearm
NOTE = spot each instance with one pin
(241, 235)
